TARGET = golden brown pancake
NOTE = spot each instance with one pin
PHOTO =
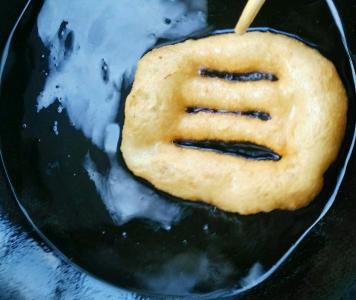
(260, 89)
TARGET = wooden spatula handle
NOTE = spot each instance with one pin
(248, 15)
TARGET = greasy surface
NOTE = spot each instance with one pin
(307, 104)
(323, 267)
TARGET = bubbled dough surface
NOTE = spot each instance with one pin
(308, 106)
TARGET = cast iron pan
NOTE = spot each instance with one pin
(208, 253)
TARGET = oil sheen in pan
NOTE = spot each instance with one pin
(215, 253)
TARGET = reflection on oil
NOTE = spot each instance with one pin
(93, 51)
(31, 271)
(126, 198)
(250, 243)
(186, 271)
(94, 45)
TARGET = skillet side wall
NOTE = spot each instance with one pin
(324, 265)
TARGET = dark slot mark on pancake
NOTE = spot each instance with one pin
(247, 76)
(241, 149)
(263, 116)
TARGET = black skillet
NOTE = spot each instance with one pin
(71, 217)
